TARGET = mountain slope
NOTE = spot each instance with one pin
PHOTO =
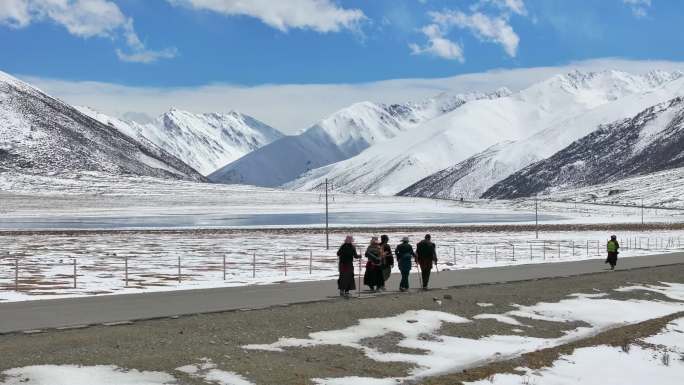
(458, 135)
(661, 188)
(462, 180)
(204, 141)
(41, 134)
(340, 136)
(651, 141)
(473, 176)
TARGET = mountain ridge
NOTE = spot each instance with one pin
(466, 131)
(651, 141)
(41, 134)
(339, 136)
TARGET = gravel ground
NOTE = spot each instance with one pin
(166, 344)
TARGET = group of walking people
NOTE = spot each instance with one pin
(381, 260)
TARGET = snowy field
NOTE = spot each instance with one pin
(431, 352)
(55, 264)
(111, 262)
(88, 196)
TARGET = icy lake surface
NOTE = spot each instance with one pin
(257, 220)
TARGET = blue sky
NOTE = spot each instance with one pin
(268, 57)
(207, 45)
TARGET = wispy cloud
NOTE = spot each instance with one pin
(487, 20)
(146, 56)
(514, 6)
(438, 45)
(317, 15)
(14, 13)
(639, 7)
(485, 28)
(82, 18)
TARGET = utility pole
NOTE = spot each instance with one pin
(642, 211)
(327, 238)
(536, 217)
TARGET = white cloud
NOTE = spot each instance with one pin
(318, 15)
(292, 107)
(14, 13)
(146, 56)
(82, 18)
(485, 28)
(639, 7)
(515, 6)
(438, 45)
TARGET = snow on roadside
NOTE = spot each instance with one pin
(671, 337)
(593, 310)
(501, 318)
(607, 365)
(599, 365)
(206, 370)
(83, 375)
(444, 354)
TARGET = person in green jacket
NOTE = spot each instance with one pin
(405, 257)
(612, 247)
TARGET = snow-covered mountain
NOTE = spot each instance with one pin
(340, 136)
(206, 142)
(473, 176)
(662, 188)
(40, 134)
(651, 141)
(456, 136)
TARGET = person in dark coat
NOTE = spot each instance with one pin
(387, 259)
(373, 276)
(346, 254)
(427, 255)
(613, 249)
(405, 257)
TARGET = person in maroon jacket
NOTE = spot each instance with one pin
(387, 259)
(347, 253)
(373, 276)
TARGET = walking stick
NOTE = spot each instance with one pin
(420, 274)
(358, 289)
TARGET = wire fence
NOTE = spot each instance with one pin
(98, 273)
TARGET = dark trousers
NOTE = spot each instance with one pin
(612, 258)
(404, 284)
(426, 276)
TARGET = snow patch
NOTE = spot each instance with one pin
(445, 354)
(83, 375)
(600, 365)
(501, 318)
(206, 370)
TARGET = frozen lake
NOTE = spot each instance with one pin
(260, 220)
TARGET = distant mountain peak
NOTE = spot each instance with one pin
(41, 134)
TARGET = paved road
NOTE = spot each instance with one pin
(45, 314)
